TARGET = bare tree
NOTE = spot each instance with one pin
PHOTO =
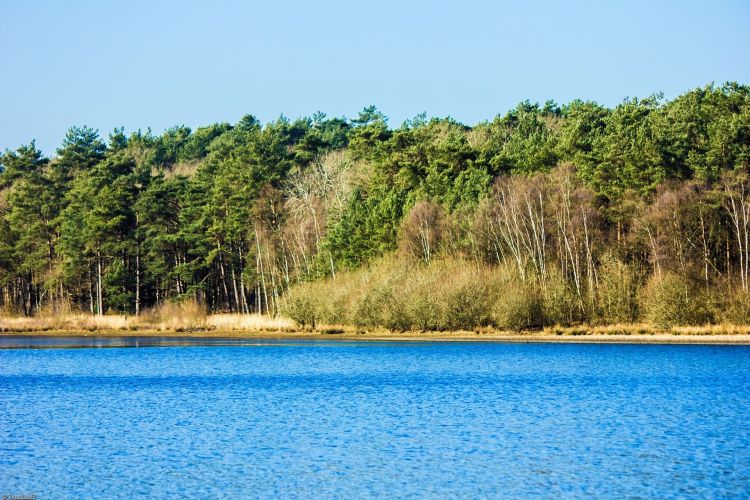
(679, 227)
(513, 222)
(737, 204)
(575, 217)
(422, 230)
(314, 196)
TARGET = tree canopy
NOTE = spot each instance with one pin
(234, 214)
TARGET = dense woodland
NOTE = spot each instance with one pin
(557, 213)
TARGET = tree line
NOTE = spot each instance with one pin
(233, 216)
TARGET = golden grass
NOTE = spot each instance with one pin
(249, 322)
(182, 317)
(257, 326)
(189, 316)
(718, 329)
(177, 317)
(648, 329)
(72, 322)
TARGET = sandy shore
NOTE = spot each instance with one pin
(457, 336)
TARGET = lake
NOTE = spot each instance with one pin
(372, 419)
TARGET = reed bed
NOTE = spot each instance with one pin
(249, 322)
(67, 322)
(171, 317)
(256, 323)
(446, 295)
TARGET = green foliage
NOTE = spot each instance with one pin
(197, 145)
(627, 151)
(523, 141)
(581, 130)
(367, 227)
(168, 146)
(232, 216)
(19, 164)
(81, 150)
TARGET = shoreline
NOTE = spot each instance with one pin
(386, 336)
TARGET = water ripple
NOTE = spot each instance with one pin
(374, 420)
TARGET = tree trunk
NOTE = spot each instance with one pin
(99, 298)
(224, 278)
(137, 272)
(91, 291)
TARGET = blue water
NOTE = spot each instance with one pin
(345, 419)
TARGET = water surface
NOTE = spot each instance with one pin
(359, 419)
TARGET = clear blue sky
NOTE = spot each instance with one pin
(155, 64)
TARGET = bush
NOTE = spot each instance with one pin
(444, 294)
(382, 308)
(673, 300)
(519, 306)
(560, 304)
(302, 306)
(737, 308)
(616, 297)
(425, 311)
(370, 307)
(467, 306)
(455, 294)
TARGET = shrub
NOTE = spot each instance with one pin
(302, 306)
(452, 293)
(425, 311)
(560, 304)
(368, 310)
(737, 307)
(616, 297)
(518, 306)
(673, 300)
(383, 307)
(467, 306)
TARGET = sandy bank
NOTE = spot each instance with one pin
(458, 336)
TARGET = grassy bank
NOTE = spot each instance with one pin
(445, 299)
(171, 318)
(264, 327)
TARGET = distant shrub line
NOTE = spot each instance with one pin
(458, 294)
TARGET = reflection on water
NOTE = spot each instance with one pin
(75, 341)
(333, 419)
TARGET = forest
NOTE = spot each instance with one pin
(547, 214)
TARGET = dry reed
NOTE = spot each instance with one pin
(170, 317)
